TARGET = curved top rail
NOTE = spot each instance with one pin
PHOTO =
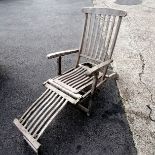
(104, 11)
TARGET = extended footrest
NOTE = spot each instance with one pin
(40, 114)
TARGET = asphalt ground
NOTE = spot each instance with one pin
(30, 29)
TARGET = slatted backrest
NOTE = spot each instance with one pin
(100, 33)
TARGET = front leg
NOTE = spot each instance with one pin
(91, 100)
(59, 65)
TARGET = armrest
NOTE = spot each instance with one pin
(97, 67)
(61, 53)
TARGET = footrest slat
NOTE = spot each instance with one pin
(32, 141)
(40, 114)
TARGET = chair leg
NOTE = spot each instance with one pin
(92, 93)
(83, 108)
(113, 75)
(116, 76)
(90, 104)
(39, 151)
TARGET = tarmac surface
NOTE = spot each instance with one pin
(29, 30)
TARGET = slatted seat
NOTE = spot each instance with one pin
(74, 86)
(75, 81)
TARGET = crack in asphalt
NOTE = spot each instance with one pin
(140, 78)
(143, 66)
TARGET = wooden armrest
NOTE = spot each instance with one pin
(61, 53)
(97, 67)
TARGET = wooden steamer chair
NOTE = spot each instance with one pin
(72, 87)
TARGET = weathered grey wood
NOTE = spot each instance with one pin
(98, 67)
(62, 53)
(95, 80)
(83, 108)
(74, 77)
(63, 93)
(98, 41)
(38, 112)
(49, 116)
(89, 58)
(84, 85)
(85, 50)
(73, 84)
(63, 87)
(92, 25)
(34, 144)
(50, 120)
(69, 73)
(115, 37)
(109, 37)
(104, 36)
(80, 76)
(36, 150)
(101, 25)
(28, 110)
(42, 117)
(24, 119)
(66, 88)
(112, 76)
(83, 38)
(81, 80)
(95, 35)
(104, 11)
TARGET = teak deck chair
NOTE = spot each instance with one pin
(74, 86)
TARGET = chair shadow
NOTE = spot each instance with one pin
(3, 74)
(106, 132)
(128, 2)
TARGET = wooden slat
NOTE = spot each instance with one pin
(84, 79)
(74, 76)
(104, 11)
(72, 72)
(34, 112)
(83, 40)
(43, 116)
(50, 120)
(78, 76)
(49, 115)
(78, 80)
(38, 112)
(72, 92)
(91, 34)
(33, 141)
(64, 94)
(85, 50)
(37, 104)
(95, 36)
(27, 111)
(109, 38)
(115, 36)
(101, 25)
(82, 108)
(87, 57)
(62, 53)
(83, 83)
(97, 67)
(104, 36)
